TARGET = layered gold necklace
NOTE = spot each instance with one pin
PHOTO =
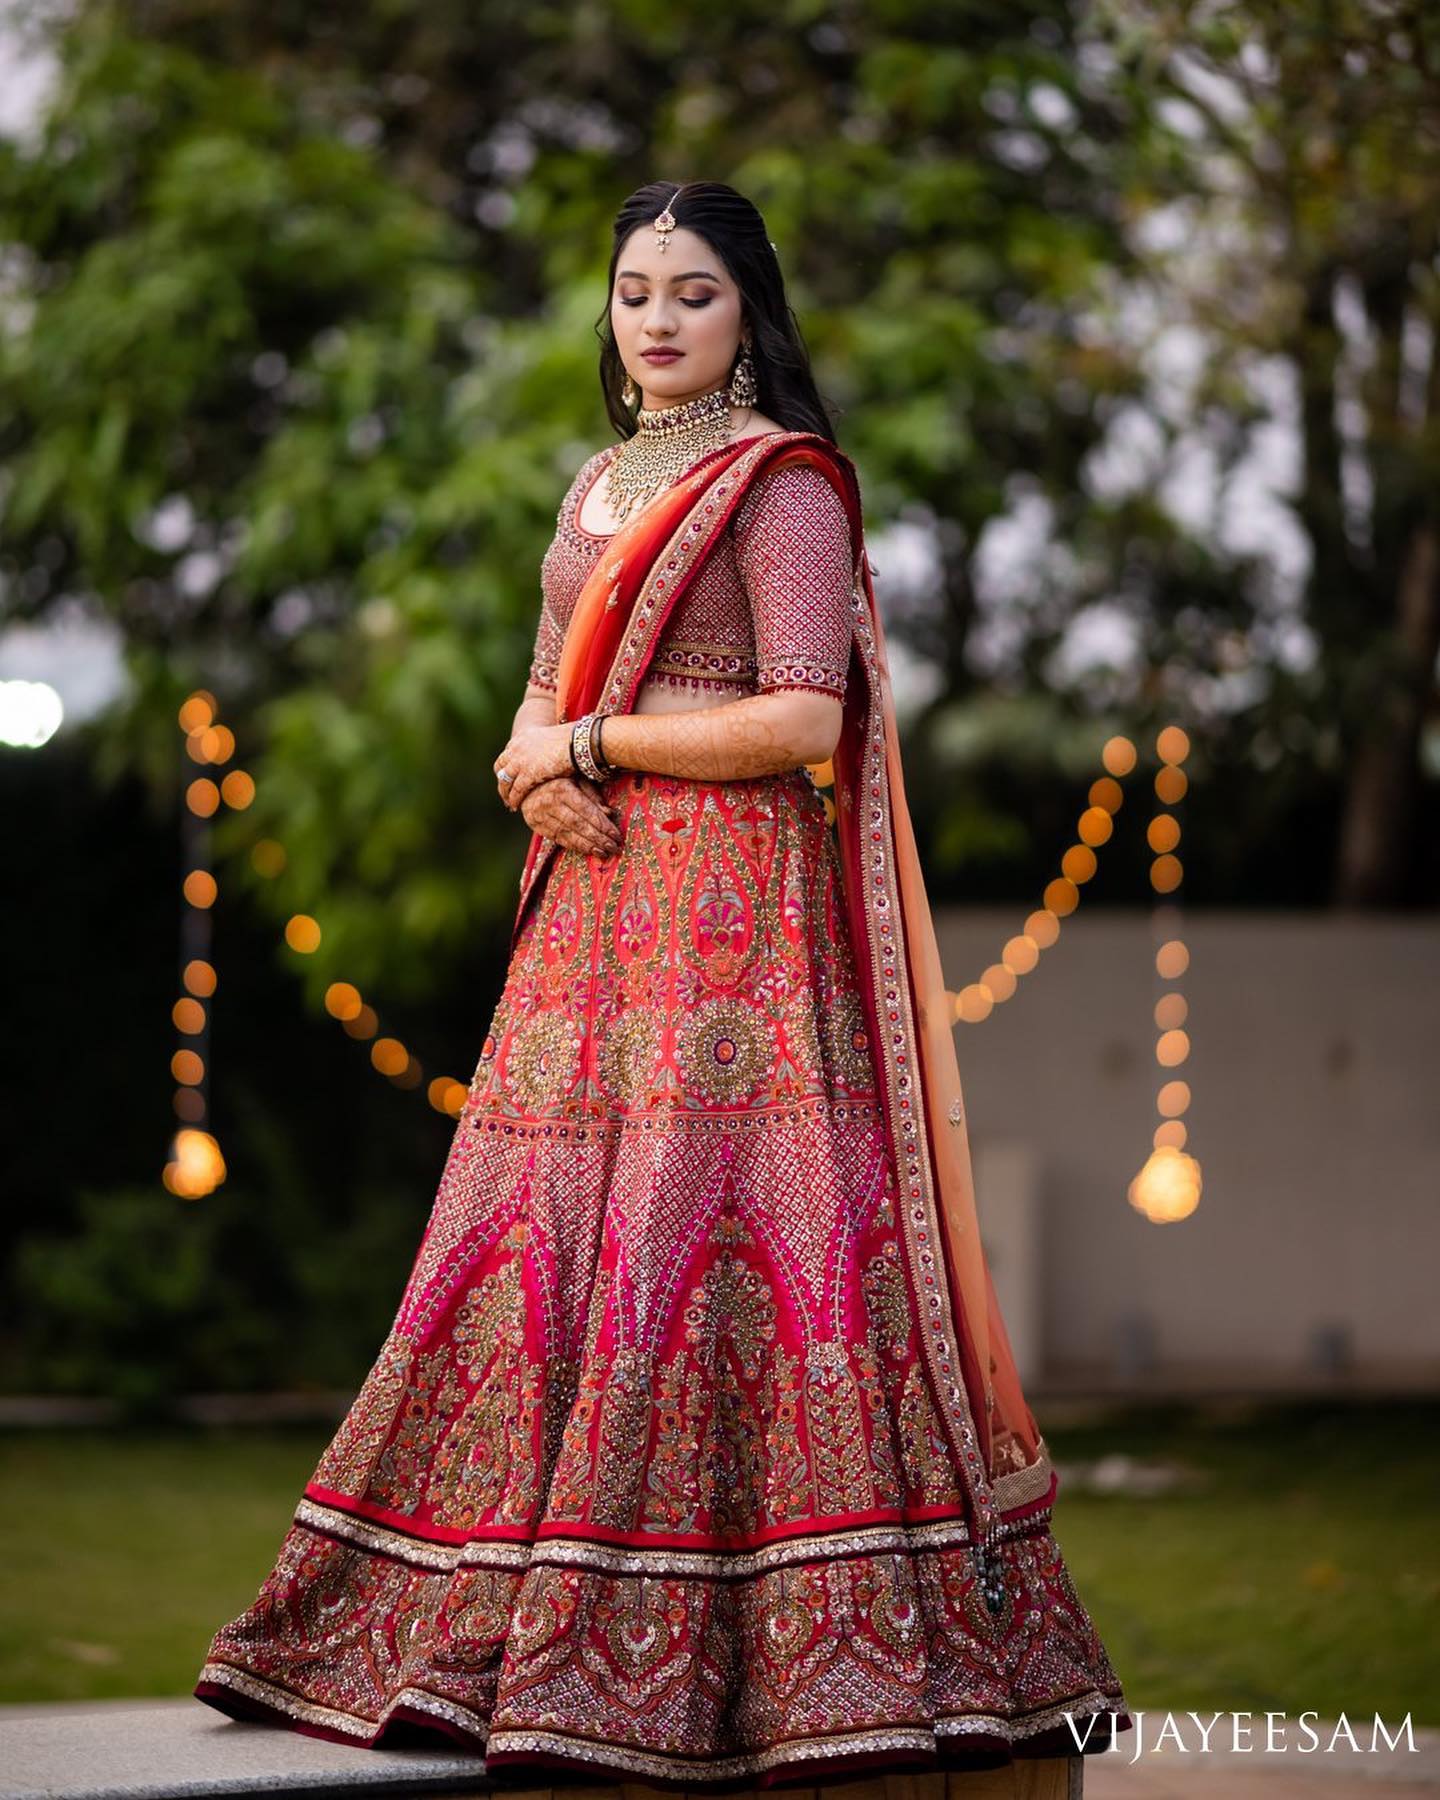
(665, 443)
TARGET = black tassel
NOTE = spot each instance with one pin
(990, 1570)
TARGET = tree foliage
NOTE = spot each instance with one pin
(300, 360)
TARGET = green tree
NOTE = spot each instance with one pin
(304, 363)
(1302, 151)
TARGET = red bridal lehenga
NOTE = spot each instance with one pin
(695, 1454)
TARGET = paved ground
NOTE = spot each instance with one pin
(166, 1749)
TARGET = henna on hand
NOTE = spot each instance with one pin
(532, 755)
(570, 812)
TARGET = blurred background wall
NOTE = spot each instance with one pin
(1307, 1266)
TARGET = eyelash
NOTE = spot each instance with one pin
(639, 299)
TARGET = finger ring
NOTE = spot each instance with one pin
(505, 775)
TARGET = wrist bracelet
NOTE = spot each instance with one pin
(580, 752)
(597, 742)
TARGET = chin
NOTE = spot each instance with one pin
(666, 381)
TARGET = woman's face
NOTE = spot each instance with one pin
(680, 299)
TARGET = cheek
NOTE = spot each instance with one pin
(717, 328)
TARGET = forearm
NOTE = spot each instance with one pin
(759, 734)
(536, 708)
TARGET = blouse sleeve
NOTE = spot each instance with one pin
(792, 544)
(545, 657)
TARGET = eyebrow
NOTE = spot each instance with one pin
(689, 275)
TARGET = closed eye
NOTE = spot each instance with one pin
(639, 300)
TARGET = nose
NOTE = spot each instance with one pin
(660, 319)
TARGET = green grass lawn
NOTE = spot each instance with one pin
(1301, 1574)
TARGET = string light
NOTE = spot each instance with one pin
(1168, 1185)
(1021, 954)
(196, 1166)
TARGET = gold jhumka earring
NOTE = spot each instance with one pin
(743, 388)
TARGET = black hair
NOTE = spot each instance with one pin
(734, 229)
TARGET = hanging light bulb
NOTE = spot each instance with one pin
(1167, 1187)
(196, 1167)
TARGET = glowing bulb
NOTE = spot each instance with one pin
(1165, 874)
(342, 1001)
(1020, 954)
(196, 713)
(199, 977)
(1172, 745)
(998, 982)
(189, 1016)
(202, 796)
(974, 1003)
(1095, 825)
(1172, 1099)
(1172, 959)
(200, 888)
(238, 789)
(1061, 896)
(1171, 1048)
(1170, 785)
(1043, 926)
(1167, 1187)
(302, 933)
(197, 1167)
(1171, 1011)
(1118, 756)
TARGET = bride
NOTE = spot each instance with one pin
(696, 1451)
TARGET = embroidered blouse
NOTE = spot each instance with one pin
(770, 607)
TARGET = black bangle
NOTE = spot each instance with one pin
(598, 744)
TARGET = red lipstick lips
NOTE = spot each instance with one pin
(659, 356)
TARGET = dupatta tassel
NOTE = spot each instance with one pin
(990, 1569)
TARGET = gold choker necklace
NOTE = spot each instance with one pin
(666, 441)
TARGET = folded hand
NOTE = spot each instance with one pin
(534, 754)
(570, 811)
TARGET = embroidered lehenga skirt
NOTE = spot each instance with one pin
(647, 1479)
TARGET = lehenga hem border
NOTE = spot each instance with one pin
(240, 1694)
(626, 1558)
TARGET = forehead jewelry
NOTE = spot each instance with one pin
(665, 222)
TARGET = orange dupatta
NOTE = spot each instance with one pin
(617, 622)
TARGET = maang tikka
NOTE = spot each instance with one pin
(665, 222)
